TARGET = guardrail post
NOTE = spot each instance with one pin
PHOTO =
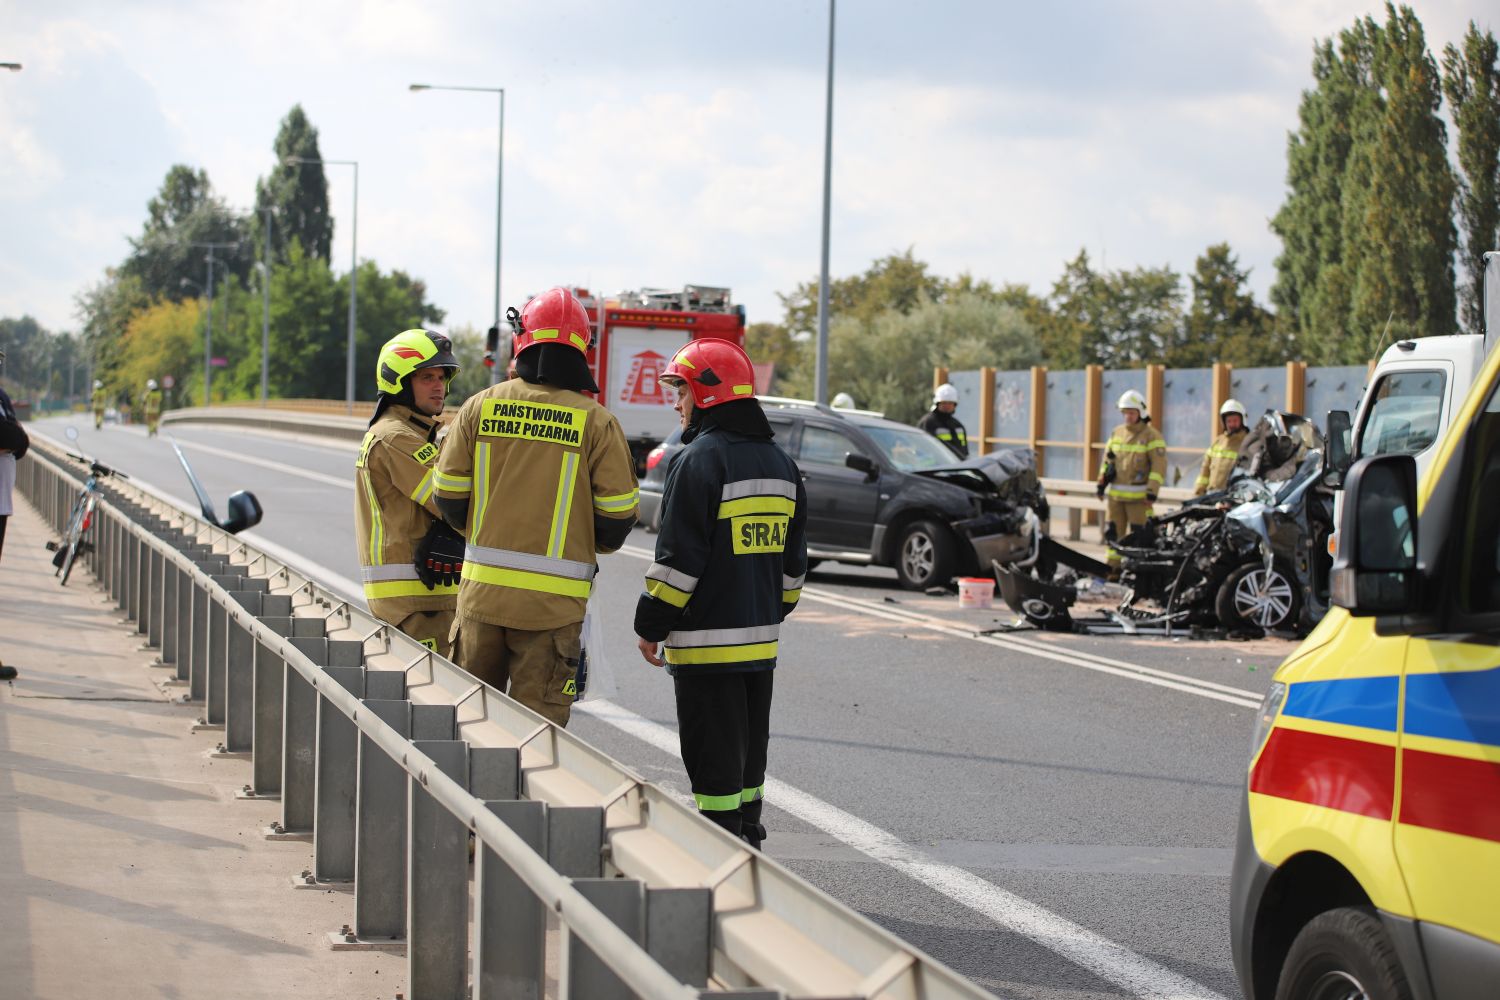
(583, 975)
(380, 831)
(338, 750)
(437, 890)
(170, 616)
(215, 693)
(510, 924)
(268, 685)
(133, 583)
(575, 835)
(154, 603)
(679, 931)
(299, 731)
(239, 670)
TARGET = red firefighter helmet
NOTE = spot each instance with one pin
(715, 371)
(554, 317)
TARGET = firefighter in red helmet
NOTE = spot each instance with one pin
(539, 479)
(730, 560)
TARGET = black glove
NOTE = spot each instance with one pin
(1099, 489)
(439, 556)
(1151, 497)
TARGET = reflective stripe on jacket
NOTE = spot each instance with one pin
(730, 558)
(393, 509)
(537, 465)
(1140, 459)
(1218, 461)
(947, 429)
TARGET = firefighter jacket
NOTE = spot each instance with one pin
(393, 510)
(1218, 461)
(549, 482)
(153, 404)
(946, 428)
(1140, 462)
(100, 400)
(730, 557)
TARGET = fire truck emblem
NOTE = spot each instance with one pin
(642, 387)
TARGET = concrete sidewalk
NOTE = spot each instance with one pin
(127, 866)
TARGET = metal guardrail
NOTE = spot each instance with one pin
(388, 756)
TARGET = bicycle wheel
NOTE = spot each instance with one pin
(75, 539)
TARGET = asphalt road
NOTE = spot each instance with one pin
(1052, 816)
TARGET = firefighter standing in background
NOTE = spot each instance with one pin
(1218, 461)
(1134, 469)
(153, 407)
(98, 404)
(942, 424)
(730, 560)
(539, 478)
(410, 558)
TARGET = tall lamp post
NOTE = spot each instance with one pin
(822, 365)
(264, 266)
(208, 328)
(499, 192)
(353, 268)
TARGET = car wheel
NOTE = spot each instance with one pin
(926, 556)
(1254, 595)
(1344, 954)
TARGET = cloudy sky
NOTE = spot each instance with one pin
(664, 142)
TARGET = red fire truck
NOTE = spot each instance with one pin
(635, 336)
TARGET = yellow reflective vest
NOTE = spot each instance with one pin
(1140, 460)
(537, 465)
(1218, 461)
(393, 509)
(153, 404)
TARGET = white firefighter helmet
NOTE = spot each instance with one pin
(1233, 406)
(151, 385)
(945, 393)
(1132, 400)
(843, 401)
(98, 384)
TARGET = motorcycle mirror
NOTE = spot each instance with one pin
(71, 433)
(244, 512)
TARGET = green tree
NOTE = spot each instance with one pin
(105, 309)
(296, 195)
(306, 338)
(389, 303)
(1471, 83)
(773, 343)
(1310, 289)
(897, 281)
(163, 339)
(186, 212)
(1119, 319)
(1399, 238)
(1224, 322)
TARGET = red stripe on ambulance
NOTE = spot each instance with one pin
(1351, 776)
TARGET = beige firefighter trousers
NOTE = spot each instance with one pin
(1124, 516)
(432, 629)
(540, 668)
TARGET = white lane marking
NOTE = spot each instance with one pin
(1135, 974)
(346, 482)
(1088, 661)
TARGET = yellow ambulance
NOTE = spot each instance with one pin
(1368, 858)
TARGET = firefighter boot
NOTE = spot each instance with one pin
(729, 819)
(751, 830)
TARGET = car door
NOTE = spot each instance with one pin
(841, 501)
(1448, 830)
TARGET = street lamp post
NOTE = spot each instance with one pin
(353, 269)
(499, 192)
(265, 314)
(208, 328)
(821, 381)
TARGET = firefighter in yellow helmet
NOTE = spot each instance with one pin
(1218, 461)
(539, 478)
(152, 404)
(1132, 474)
(410, 559)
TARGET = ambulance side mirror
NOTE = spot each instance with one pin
(1338, 442)
(1375, 571)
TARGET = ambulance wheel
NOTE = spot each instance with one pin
(1253, 595)
(926, 557)
(1343, 954)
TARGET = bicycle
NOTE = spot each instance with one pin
(81, 519)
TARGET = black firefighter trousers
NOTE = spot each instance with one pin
(724, 725)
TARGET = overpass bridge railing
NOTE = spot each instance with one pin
(388, 757)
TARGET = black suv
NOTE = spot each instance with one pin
(887, 494)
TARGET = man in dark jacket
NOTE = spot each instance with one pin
(730, 560)
(942, 424)
(13, 445)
